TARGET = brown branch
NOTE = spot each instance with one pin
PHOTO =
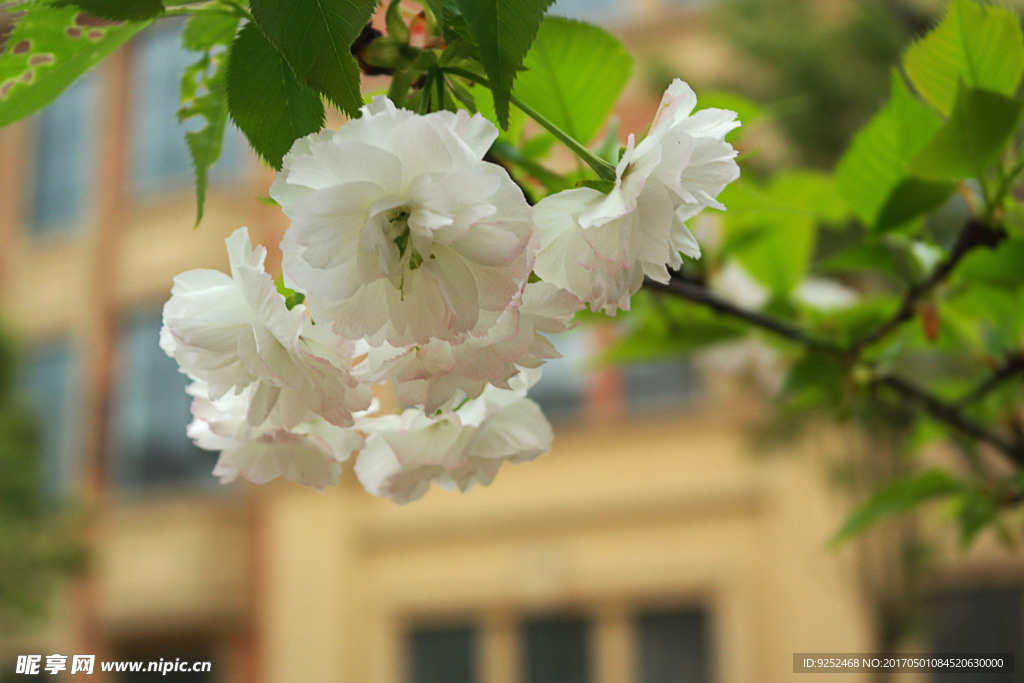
(1012, 365)
(700, 294)
(951, 415)
(938, 409)
(973, 235)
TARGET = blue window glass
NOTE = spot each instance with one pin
(561, 389)
(557, 651)
(601, 11)
(49, 380)
(660, 386)
(673, 647)
(160, 159)
(65, 151)
(443, 655)
(151, 412)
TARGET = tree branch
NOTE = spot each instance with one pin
(973, 235)
(702, 295)
(1012, 365)
(947, 413)
(951, 415)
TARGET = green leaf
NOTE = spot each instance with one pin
(1003, 266)
(851, 323)
(575, 93)
(315, 37)
(47, 50)
(772, 229)
(203, 94)
(119, 10)
(397, 28)
(860, 257)
(976, 132)
(265, 100)
(913, 197)
(602, 186)
(206, 30)
(813, 380)
(976, 509)
(811, 192)
(878, 159)
(981, 45)
(898, 497)
(504, 31)
(453, 24)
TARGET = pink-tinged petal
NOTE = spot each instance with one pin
(287, 455)
(307, 454)
(404, 455)
(676, 104)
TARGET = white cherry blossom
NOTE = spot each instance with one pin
(416, 259)
(309, 453)
(601, 246)
(405, 453)
(235, 331)
(437, 375)
(400, 232)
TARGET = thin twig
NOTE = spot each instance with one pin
(702, 295)
(1012, 365)
(938, 409)
(973, 235)
(951, 415)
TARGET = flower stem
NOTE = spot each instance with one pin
(603, 169)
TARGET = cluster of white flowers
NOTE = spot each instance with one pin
(420, 265)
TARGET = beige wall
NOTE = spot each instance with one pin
(614, 520)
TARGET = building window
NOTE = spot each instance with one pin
(601, 11)
(562, 387)
(979, 620)
(672, 647)
(660, 386)
(64, 154)
(49, 381)
(160, 159)
(151, 413)
(443, 655)
(556, 651)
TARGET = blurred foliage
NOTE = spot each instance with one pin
(823, 66)
(888, 295)
(37, 546)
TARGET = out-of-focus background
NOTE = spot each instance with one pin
(665, 539)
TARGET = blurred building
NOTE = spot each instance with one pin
(650, 546)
